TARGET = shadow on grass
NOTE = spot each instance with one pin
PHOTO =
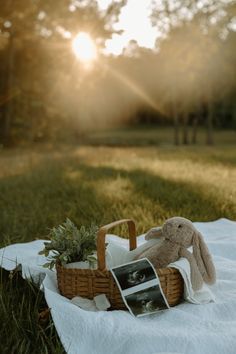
(33, 202)
(45, 196)
(175, 198)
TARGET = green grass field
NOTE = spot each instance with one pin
(41, 186)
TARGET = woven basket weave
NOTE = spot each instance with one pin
(91, 282)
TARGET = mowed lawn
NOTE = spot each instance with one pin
(41, 186)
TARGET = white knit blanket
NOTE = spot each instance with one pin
(187, 328)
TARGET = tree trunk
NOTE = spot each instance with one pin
(194, 131)
(185, 129)
(176, 123)
(3, 96)
(209, 124)
(8, 105)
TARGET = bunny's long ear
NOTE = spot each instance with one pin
(203, 259)
(155, 232)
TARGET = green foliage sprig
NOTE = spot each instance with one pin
(70, 244)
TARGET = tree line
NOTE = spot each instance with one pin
(45, 93)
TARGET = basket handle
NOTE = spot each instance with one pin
(101, 240)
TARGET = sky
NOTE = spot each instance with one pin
(134, 21)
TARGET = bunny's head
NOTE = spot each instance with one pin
(179, 230)
(182, 232)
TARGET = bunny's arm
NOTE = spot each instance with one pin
(154, 233)
(196, 278)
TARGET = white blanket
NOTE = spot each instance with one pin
(186, 328)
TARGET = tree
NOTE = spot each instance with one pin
(195, 42)
(28, 26)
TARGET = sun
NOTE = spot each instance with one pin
(84, 48)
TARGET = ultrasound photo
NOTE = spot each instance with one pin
(140, 287)
(134, 273)
(147, 301)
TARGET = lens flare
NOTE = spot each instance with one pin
(84, 47)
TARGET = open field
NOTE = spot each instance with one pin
(152, 135)
(40, 187)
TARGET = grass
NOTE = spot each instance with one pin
(146, 135)
(42, 186)
(22, 330)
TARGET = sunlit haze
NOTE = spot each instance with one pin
(84, 47)
(116, 62)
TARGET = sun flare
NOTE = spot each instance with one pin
(84, 47)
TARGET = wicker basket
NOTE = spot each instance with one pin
(91, 282)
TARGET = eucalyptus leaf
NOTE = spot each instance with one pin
(70, 244)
